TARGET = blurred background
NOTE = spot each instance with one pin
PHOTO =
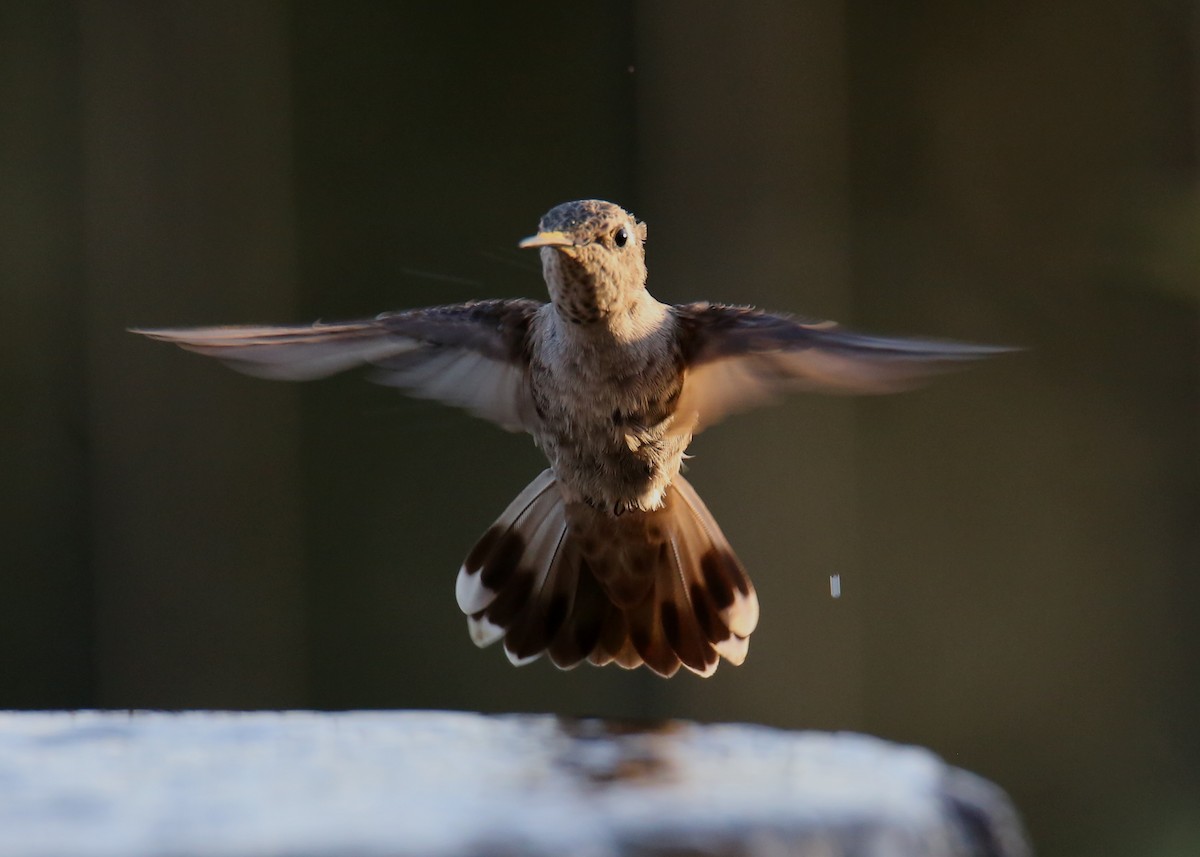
(1018, 545)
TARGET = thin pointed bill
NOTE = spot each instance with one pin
(547, 239)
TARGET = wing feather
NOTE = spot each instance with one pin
(737, 357)
(472, 355)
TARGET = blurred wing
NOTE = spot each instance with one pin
(470, 355)
(736, 358)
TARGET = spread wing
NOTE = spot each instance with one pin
(737, 357)
(471, 355)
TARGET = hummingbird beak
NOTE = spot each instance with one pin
(547, 239)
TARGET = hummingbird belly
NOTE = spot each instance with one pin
(613, 452)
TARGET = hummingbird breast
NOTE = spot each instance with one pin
(606, 414)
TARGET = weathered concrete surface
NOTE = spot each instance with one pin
(94, 784)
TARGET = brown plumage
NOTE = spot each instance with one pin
(609, 555)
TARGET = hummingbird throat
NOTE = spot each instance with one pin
(583, 294)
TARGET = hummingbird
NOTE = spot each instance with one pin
(609, 555)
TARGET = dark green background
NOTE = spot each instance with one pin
(1018, 545)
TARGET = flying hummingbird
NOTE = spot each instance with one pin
(609, 555)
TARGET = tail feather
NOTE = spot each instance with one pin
(582, 630)
(733, 649)
(723, 580)
(629, 658)
(648, 638)
(660, 588)
(550, 602)
(613, 643)
(495, 556)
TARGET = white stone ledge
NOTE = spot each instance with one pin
(103, 784)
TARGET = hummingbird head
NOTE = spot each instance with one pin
(593, 259)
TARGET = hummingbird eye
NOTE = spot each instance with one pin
(620, 237)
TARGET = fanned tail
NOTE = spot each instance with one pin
(660, 588)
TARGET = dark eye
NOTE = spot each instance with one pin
(620, 237)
